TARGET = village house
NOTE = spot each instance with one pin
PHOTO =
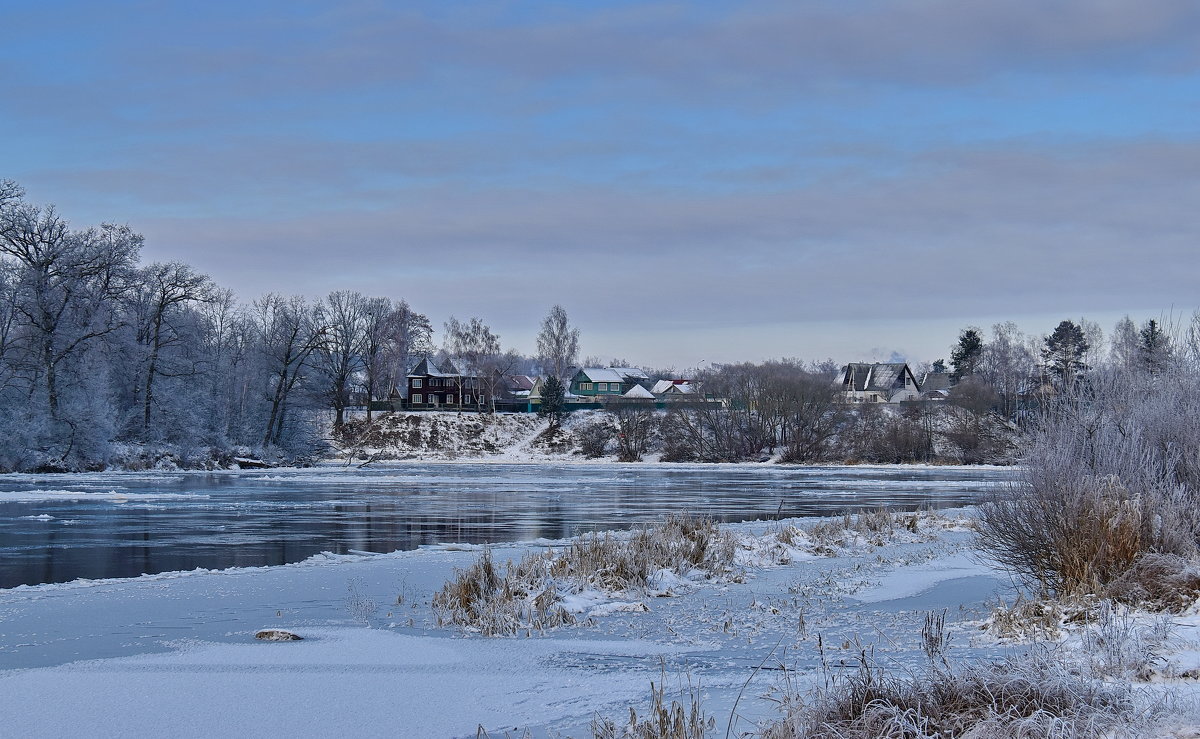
(432, 385)
(862, 382)
(597, 382)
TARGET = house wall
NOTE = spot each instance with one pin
(443, 391)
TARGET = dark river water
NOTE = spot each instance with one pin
(57, 528)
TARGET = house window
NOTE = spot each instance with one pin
(450, 398)
(585, 386)
(417, 383)
(417, 398)
(467, 399)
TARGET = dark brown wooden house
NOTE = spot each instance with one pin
(432, 385)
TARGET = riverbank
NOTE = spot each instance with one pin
(177, 652)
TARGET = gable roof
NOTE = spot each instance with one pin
(629, 374)
(862, 376)
(936, 381)
(601, 374)
(672, 386)
(429, 368)
(637, 391)
(519, 382)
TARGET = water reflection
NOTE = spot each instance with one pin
(125, 525)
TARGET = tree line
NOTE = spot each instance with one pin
(1002, 388)
(102, 357)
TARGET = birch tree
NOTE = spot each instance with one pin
(557, 343)
(473, 346)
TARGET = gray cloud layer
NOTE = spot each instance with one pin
(664, 164)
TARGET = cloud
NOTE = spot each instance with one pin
(699, 165)
(1003, 231)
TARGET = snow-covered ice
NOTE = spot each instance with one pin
(175, 653)
(177, 650)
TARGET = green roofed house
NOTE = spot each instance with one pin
(591, 382)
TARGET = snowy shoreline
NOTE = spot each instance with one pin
(136, 656)
(190, 633)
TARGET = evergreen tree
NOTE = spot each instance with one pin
(1064, 352)
(1153, 348)
(553, 404)
(966, 354)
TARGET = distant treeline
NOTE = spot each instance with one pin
(105, 359)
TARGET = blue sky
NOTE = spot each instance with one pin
(692, 180)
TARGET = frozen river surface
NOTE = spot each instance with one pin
(58, 528)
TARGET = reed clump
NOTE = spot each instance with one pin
(528, 595)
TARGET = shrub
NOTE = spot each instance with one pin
(594, 438)
(1109, 477)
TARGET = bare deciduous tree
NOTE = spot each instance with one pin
(635, 421)
(289, 331)
(166, 289)
(340, 352)
(557, 343)
(474, 348)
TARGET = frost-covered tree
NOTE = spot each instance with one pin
(395, 335)
(339, 353)
(1154, 348)
(557, 343)
(1006, 365)
(289, 332)
(1123, 346)
(165, 328)
(474, 348)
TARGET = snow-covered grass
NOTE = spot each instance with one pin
(551, 588)
(1034, 695)
(542, 589)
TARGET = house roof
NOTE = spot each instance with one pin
(672, 386)
(601, 374)
(428, 368)
(630, 373)
(861, 376)
(936, 381)
(517, 383)
(637, 391)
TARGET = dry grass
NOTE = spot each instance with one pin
(1031, 696)
(682, 719)
(527, 595)
(1113, 640)
(876, 528)
(1158, 582)
(1033, 619)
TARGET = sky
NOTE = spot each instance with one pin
(695, 182)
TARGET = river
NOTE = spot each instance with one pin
(58, 528)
